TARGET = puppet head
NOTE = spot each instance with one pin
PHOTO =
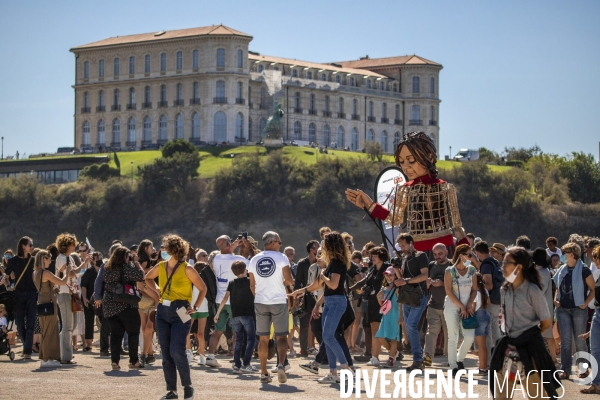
(416, 155)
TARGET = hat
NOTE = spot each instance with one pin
(499, 247)
(540, 257)
(251, 240)
(389, 271)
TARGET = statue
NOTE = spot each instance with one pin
(272, 129)
(425, 207)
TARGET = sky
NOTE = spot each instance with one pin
(515, 74)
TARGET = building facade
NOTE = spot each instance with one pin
(204, 85)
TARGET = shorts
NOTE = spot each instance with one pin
(199, 315)
(373, 314)
(147, 310)
(483, 317)
(276, 314)
(355, 306)
(224, 316)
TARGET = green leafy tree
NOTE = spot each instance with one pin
(374, 150)
(178, 146)
(522, 154)
(99, 171)
(583, 173)
(488, 155)
(173, 172)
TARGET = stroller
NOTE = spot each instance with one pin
(10, 300)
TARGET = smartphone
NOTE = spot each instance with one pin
(245, 235)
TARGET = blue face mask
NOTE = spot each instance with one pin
(165, 256)
(563, 259)
(467, 263)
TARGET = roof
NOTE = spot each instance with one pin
(387, 61)
(164, 35)
(308, 64)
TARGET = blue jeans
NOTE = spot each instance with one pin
(595, 342)
(339, 336)
(412, 315)
(571, 321)
(334, 308)
(241, 325)
(172, 335)
(25, 316)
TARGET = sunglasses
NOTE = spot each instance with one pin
(7, 256)
(468, 255)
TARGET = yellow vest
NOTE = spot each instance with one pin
(180, 287)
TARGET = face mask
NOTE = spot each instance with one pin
(513, 275)
(563, 258)
(467, 263)
(165, 256)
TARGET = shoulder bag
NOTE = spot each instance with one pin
(386, 305)
(44, 309)
(127, 293)
(409, 294)
(471, 321)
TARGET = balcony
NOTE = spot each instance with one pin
(251, 105)
(161, 142)
(298, 110)
(163, 104)
(100, 109)
(371, 119)
(415, 122)
(147, 105)
(195, 102)
(220, 100)
(131, 106)
(356, 117)
(115, 144)
(263, 106)
(85, 110)
(115, 107)
(432, 122)
(397, 122)
(178, 103)
(341, 115)
(146, 142)
(100, 145)
(327, 113)
(240, 101)
(312, 112)
(385, 120)
(130, 144)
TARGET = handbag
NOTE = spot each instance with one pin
(386, 305)
(471, 321)
(126, 292)
(76, 303)
(44, 309)
(410, 295)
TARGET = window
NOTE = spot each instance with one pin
(249, 94)
(384, 141)
(297, 130)
(396, 140)
(163, 62)
(195, 125)
(340, 137)
(416, 83)
(326, 135)
(179, 92)
(323, 77)
(131, 96)
(261, 126)
(309, 75)
(250, 129)
(163, 93)
(147, 63)
(86, 134)
(432, 113)
(116, 131)
(220, 126)
(101, 69)
(370, 135)
(351, 81)
(341, 105)
(116, 67)
(384, 110)
(179, 126)
(101, 98)
(220, 90)
(195, 91)
(116, 95)
(220, 64)
(294, 73)
(395, 87)
(260, 68)
(263, 97)
(131, 130)
(195, 59)
(397, 112)
(370, 109)
(240, 58)
(368, 84)
(432, 85)
(86, 99)
(354, 106)
(312, 101)
(101, 138)
(240, 88)
(415, 113)
(147, 95)
(312, 133)
(86, 70)
(297, 100)
(131, 65)
(381, 85)
(354, 141)
(179, 60)
(337, 78)
(239, 125)
(162, 127)
(326, 103)
(147, 134)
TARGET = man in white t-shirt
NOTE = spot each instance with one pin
(222, 269)
(552, 244)
(270, 273)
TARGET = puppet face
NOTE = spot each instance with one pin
(409, 165)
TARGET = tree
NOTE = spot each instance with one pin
(374, 150)
(522, 154)
(178, 146)
(583, 173)
(488, 155)
(99, 171)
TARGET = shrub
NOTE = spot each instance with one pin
(178, 146)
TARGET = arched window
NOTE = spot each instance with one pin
(370, 135)
(131, 65)
(384, 141)
(101, 134)
(101, 69)
(220, 126)
(340, 138)
(261, 126)
(116, 95)
(195, 125)
(147, 134)
(131, 97)
(86, 134)
(131, 130)
(294, 73)
(147, 63)
(147, 96)
(396, 140)
(326, 135)
(195, 59)
(221, 59)
(116, 67)
(312, 133)
(250, 129)
(432, 85)
(116, 131)
(297, 130)
(163, 62)
(163, 94)
(162, 127)
(297, 101)
(260, 68)
(179, 60)
(416, 84)
(240, 58)
(239, 125)
(354, 144)
(179, 126)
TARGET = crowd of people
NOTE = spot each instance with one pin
(345, 305)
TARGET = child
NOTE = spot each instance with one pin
(201, 315)
(242, 311)
(3, 320)
(483, 317)
(389, 333)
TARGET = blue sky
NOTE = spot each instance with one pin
(515, 73)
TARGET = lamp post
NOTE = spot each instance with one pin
(2, 148)
(132, 173)
(451, 152)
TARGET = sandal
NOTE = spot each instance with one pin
(563, 375)
(115, 366)
(584, 375)
(35, 348)
(137, 365)
(593, 389)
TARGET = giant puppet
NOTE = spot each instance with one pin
(426, 206)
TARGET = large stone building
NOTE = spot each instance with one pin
(204, 85)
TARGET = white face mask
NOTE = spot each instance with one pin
(513, 275)
(467, 262)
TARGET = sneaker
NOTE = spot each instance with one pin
(415, 365)
(362, 358)
(329, 379)
(265, 378)
(170, 395)
(292, 353)
(96, 343)
(211, 362)
(201, 360)
(49, 364)
(105, 354)
(150, 359)
(286, 367)
(312, 351)
(281, 376)
(248, 369)
(236, 370)
(374, 362)
(190, 356)
(482, 372)
(427, 360)
(390, 362)
(310, 367)
(460, 365)
(188, 393)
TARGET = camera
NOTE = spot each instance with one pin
(367, 289)
(243, 235)
(396, 262)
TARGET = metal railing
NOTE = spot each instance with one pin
(415, 122)
(220, 100)
(85, 110)
(432, 122)
(341, 115)
(371, 119)
(240, 101)
(178, 102)
(397, 121)
(115, 107)
(312, 112)
(131, 106)
(194, 101)
(385, 120)
(162, 104)
(100, 108)
(298, 110)
(356, 117)
(327, 113)
(147, 105)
